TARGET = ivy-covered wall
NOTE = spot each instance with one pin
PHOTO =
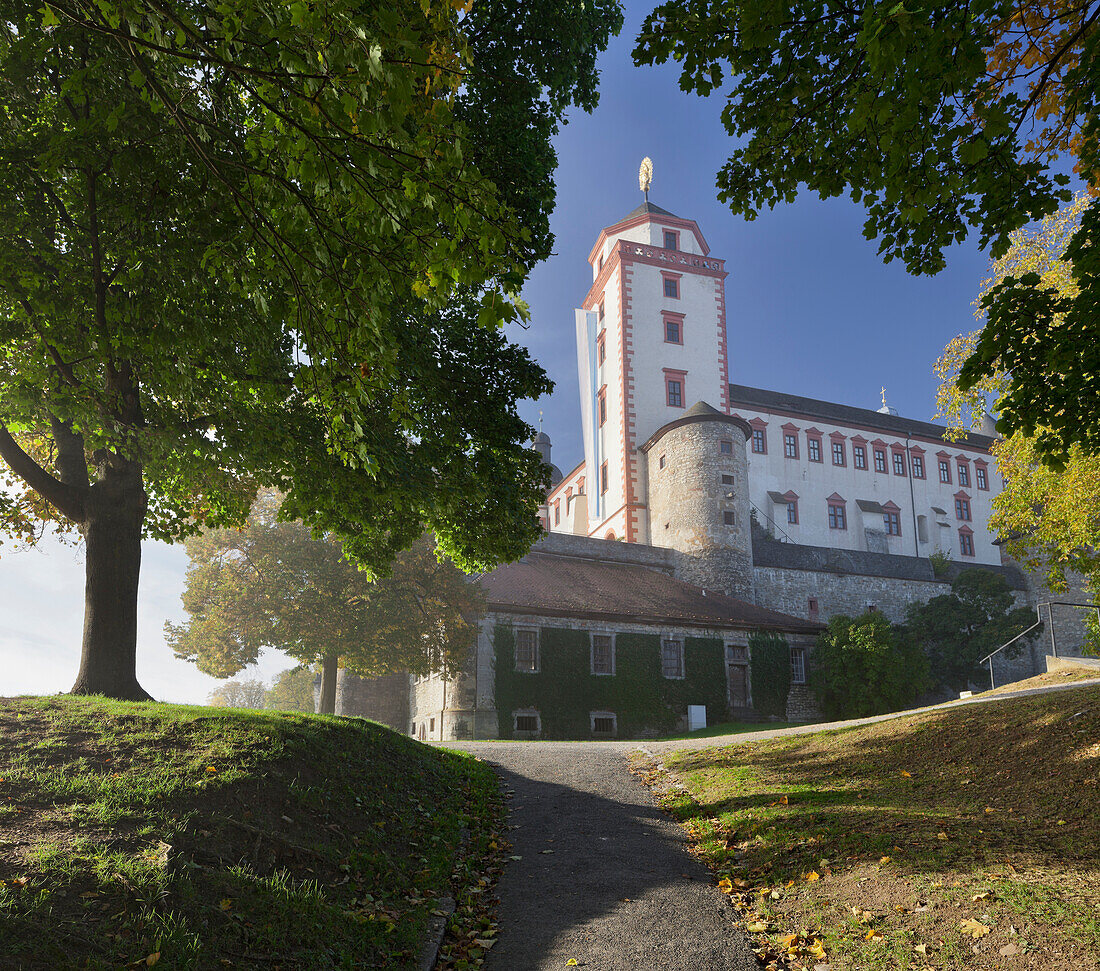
(565, 691)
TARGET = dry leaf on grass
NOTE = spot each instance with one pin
(973, 928)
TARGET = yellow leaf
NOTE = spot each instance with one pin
(783, 800)
(226, 903)
(789, 940)
(941, 836)
(571, 963)
(872, 935)
(816, 950)
(973, 927)
(884, 860)
(726, 886)
(756, 926)
(906, 775)
(813, 875)
(211, 769)
(152, 959)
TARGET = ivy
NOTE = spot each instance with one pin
(770, 660)
(564, 692)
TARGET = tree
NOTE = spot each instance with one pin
(252, 243)
(1049, 517)
(940, 118)
(865, 666)
(958, 629)
(239, 694)
(273, 585)
(770, 661)
(292, 690)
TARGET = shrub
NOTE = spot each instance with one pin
(864, 666)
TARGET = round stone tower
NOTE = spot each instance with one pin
(698, 497)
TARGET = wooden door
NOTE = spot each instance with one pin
(739, 685)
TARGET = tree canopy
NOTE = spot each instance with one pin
(940, 118)
(274, 585)
(257, 242)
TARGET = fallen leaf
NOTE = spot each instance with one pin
(979, 896)
(906, 775)
(726, 886)
(973, 927)
(1008, 951)
(756, 926)
(544, 852)
(941, 836)
(225, 904)
(884, 860)
(813, 875)
(211, 769)
(873, 935)
(783, 800)
(152, 959)
(920, 948)
(571, 963)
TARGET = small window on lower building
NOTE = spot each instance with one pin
(526, 722)
(728, 518)
(603, 654)
(798, 665)
(725, 447)
(727, 480)
(966, 543)
(603, 723)
(527, 650)
(661, 462)
(672, 658)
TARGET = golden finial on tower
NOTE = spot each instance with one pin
(883, 397)
(645, 176)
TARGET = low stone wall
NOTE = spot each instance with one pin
(802, 705)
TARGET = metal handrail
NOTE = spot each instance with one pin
(775, 525)
(1038, 623)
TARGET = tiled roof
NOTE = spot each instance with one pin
(647, 207)
(762, 400)
(564, 586)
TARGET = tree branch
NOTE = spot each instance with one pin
(67, 499)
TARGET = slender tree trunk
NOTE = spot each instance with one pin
(329, 667)
(114, 513)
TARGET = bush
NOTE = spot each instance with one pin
(770, 662)
(864, 666)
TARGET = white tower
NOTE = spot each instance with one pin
(651, 342)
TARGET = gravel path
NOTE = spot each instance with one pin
(617, 889)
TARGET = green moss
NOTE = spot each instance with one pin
(565, 692)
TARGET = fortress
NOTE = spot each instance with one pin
(704, 511)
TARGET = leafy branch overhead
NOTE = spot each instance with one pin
(941, 119)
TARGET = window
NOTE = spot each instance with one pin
(859, 456)
(672, 658)
(918, 466)
(880, 460)
(838, 453)
(798, 665)
(813, 447)
(557, 511)
(813, 608)
(672, 288)
(790, 445)
(792, 512)
(603, 478)
(603, 654)
(527, 650)
(964, 474)
(980, 477)
(601, 311)
(725, 447)
(966, 543)
(759, 442)
(837, 518)
(962, 509)
(672, 240)
(892, 523)
(661, 462)
(945, 471)
(728, 518)
(431, 725)
(899, 463)
(599, 266)
(672, 332)
(603, 723)
(727, 480)
(526, 723)
(675, 389)
(601, 349)
(603, 407)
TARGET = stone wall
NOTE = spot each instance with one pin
(384, 699)
(694, 488)
(1068, 622)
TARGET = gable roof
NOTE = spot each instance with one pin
(763, 400)
(563, 586)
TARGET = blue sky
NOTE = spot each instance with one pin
(811, 310)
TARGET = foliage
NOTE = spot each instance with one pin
(1048, 517)
(564, 692)
(237, 825)
(958, 629)
(940, 561)
(254, 242)
(239, 694)
(940, 118)
(273, 585)
(292, 690)
(864, 666)
(770, 664)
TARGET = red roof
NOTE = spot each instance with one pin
(565, 586)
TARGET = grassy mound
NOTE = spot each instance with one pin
(964, 838)
(194, 838)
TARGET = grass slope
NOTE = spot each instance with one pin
(965, 838)
(194, 838)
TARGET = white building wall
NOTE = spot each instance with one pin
(814, 482)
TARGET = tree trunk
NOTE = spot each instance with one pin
(329, 667)
(114, 513)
